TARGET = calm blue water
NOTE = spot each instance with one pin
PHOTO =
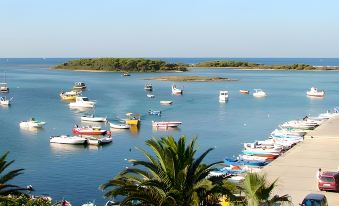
(75, 172)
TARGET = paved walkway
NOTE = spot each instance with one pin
(296, 169)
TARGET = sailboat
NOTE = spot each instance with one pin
(3, 85)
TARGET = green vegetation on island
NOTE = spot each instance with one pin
(249, 65)
(122, 65)
(190, 79)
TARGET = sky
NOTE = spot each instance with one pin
(169, 28)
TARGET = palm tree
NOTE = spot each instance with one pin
(5, 188)
(172, 176)
(258, 191)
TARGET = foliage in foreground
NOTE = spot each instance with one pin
(122, 65)
(24, 200)
(172, 176)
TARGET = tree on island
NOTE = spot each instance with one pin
(172, 176)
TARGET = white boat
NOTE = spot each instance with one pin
(65, 139)
(3, 85)
(82, 102)
(314, 92)
(328, 114)
(176, 91)
(32, 123)
(259, 93)
(99, 141)
(166, 124)
(92, 118)
(223, 96)
(253, 157)
(150, 95)
(166, 102)
(281, 132)
(5, 101)
(119, 126)
(254, 147)
(148, 87)
(79, 85)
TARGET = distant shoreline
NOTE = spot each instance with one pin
(190, 79)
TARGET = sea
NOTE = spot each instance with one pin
(76, 172)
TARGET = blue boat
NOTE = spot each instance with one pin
(257, 163)
(154, 112)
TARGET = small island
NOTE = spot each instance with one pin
(250, 65)
(121, 65)
(190, 79)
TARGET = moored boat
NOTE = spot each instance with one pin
(176, 91)
(148, 87)
(166, 124)
(82, 102)
(166, 102)
(92, 118)
(150, 95)
(132, 119)
(88, 131)
(66, 139)
(32, 123)
(259, 93)
(99, 141)
(244, 91)
(119, 126)
(5, 101)
(258, 163)
(223, 96)
(79, 86)
(3, 87)
(314, 92)
(154, 112)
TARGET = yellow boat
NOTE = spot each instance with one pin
(133, 119)
(69, 95)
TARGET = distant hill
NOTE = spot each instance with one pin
(122, 65)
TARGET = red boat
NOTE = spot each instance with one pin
(89, 130)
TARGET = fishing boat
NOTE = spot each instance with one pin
(5, 101)
(314, 92)
(32, 123)
(258, 163)
(282, 131)
(150, 95)
(244, 91)
(166, 102)
(88, 130)
(261, 153)
(148, 87)
(92, 118)
(79, 86)
(256, 147)
(66, 139)
(259, 93)
(99, 141)
(154, 112)
(176, 91)
(132, 119)
(3, 85)
(82, 102)
(223, 96)
(254, 157)
(166, 124)
(119, 126)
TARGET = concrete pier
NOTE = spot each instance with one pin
(296, 169)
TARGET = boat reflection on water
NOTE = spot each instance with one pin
(80, 109)
(67, 148)
(315, 98)
(30, 130)
(134, 129)
(165, 129)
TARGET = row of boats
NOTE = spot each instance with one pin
(258, 154)
(313, 92)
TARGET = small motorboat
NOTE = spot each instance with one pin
(258, 163)
(79, 85)
(244, 91)
(254, 157)
(32, 123)
(71, 95)
(119, 126)
(259, 93)
(5, 101)
(154, 112)
(99, 141)
(88, 130)
(150, 95)
(148, 87)
(82, 102)
(166, 124)
(132, 119)
(223, 96)
(176, 91)
(66, 139)
(314, 92)
(4, 88)
(92, 118)
(126, 74)
(166, 102)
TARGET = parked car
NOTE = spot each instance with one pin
(314, 200)
(329, 181)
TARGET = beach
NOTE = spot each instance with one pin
(296, 169)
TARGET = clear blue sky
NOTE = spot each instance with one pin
(169, 28)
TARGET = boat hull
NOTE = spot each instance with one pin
(166, 124)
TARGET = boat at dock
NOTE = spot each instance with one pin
(82, 102)
(32, 123)
(88, 130)
(254, 157)
(314, 92)
(259, 93)
(66, 139)
(223, 96)
(176, 91)
(148, 87)
(92, 118)
(258, 163)
(166, 124)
